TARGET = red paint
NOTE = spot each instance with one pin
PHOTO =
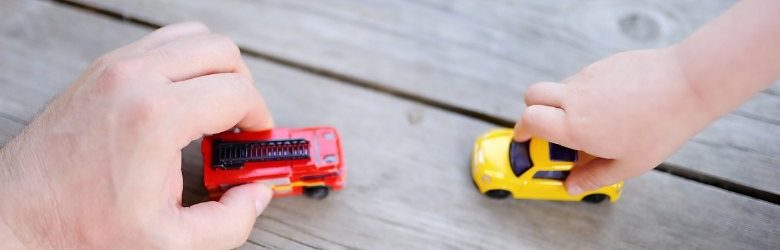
(323, 144)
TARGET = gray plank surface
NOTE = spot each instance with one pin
(482, 55)
(8, 128)
(402, 191)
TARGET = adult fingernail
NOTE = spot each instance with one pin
(262, 202)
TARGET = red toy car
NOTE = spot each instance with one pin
(291, 161)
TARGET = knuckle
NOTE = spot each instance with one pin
(531, 93)
(529, 117)
(113, 76)
(227, 44)
(110, 58)
(228, 237)
(536, 86)
(106, 86)
(573, 127)
(103, 61)
(587, 73)
(575, 119)
(239, 86)
(199, 26)
(116, 72)
(243, 82)
(143, 108)
(236, 239)
(241, 235)
(577, 92)
(589, 181)
(166, 55)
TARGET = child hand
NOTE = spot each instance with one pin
(631, 111)
(634, 109)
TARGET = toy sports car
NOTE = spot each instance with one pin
(290, 161)
(533, 169)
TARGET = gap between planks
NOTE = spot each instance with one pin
(665, 167)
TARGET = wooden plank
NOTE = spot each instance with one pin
(450, 50)
(408, 182)
(8, 128)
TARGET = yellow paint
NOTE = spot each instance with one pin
(283, 188)
(490, 170)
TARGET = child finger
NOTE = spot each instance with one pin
(545, 93)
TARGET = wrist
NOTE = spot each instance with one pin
(28, 213)
(698, 88)
(9, 238)
(734, 56)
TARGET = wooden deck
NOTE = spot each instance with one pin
(410, 84)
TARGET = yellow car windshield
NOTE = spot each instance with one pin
(520, 160)
(519, 157)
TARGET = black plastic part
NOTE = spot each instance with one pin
(233, 155)
(316, 192)
(595, 198)
(498, 194)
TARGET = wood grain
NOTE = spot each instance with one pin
(482, 55)
(8, 128)
(408, 182)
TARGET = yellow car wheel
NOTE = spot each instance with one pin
(595, 198)
(498, 194)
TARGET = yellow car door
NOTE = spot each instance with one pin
(545, 184)
(551, 165)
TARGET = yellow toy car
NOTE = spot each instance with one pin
(533, 169)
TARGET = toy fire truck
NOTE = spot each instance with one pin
(290, 161)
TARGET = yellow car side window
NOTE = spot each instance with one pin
(561, 153)
(551, 175)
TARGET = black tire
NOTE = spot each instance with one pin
(595, 198)
(498, 194)
(316, 192)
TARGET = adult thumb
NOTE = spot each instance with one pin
(227, 223)
(594, 174)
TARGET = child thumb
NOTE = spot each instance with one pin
(597, 173)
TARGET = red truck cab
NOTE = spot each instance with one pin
(291, 161)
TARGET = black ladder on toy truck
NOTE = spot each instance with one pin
(233, 155)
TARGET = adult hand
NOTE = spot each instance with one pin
(100, 167)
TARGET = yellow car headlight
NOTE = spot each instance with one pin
(489, 175)
(486, 178)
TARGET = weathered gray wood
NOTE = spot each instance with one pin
(8, 128)
(482, 55)
(408, 183)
